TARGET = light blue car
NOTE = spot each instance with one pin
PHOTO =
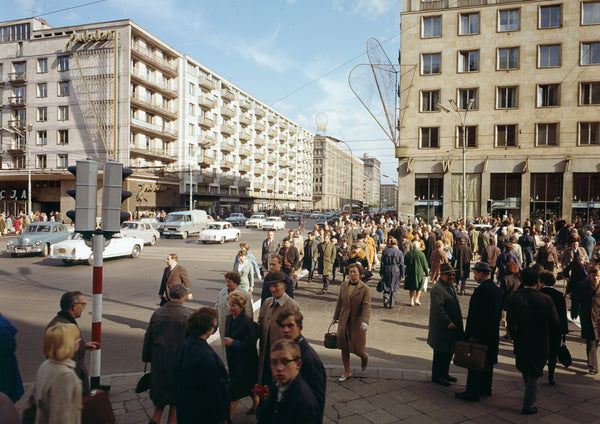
(37, 237)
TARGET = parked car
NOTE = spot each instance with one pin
(219, 232)
(141, 230)
(38, 237)
(256, 220)
(273, 223)
(236, 218)
(74, 249)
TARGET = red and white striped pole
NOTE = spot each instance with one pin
(98, 252)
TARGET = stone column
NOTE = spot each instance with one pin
(567, 195)
(525, 195)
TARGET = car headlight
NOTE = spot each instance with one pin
(37, 243)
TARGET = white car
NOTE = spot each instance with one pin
(142, 230)
(256, 220)
(273, 223)
(74, 249)
(236, 218)
(219, 232)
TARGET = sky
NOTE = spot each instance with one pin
(294, 55)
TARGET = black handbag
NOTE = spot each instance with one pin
(330, 339)
(29, 412)
(144, 381)
(563, 354)
(379, 287)
(470, 355)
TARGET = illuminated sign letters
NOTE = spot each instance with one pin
(88, 37)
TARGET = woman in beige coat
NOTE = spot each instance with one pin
(437, 258)
(352, 313)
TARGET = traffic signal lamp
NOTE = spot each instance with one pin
(490, 205)
(85, 195)
(113, 195)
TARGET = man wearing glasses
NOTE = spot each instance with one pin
(290, 399)
(72, 305)
(445, 325)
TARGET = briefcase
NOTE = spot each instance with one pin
(564, 356)
(97, 408)
(470, 355)
(330, 340)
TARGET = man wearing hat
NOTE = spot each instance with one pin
(445, 325)
(267, 324)
(485, 310)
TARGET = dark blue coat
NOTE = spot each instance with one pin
(312, 371)
(392, 268)
(485, 310)
(10, 378)
(298, 405)
(201, 384)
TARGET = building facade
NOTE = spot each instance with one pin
(529, 74)
(389, 196)
(337, 173)
(59, 87)
(372, 181)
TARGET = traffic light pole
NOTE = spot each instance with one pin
(98, 252)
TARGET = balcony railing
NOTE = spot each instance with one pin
(293, 129)
(259, 127)
(17, 76)
(245, 120)
(206, 103)
(152, 153)
(228, 145)
(258, 156)
(432, 5)
(16, 101)
(245, 152)
(17, 146)
(271, 146)
(204, 81)
(227, 94)
(163, 63)
(206, 161)
(16, 123)
(259, 113)
(244, 167)
(245, 135)
(207, 138)
(153, 127)
(206, 122)
(227, 111)
(227, 164)
(272, 132)
(160, 84)
(245, 104)
(272, 119)
(227, 129)
(154, 106)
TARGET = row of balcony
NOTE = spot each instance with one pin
(153, 128)
(161, 85)
(155, 107)
(159, 61)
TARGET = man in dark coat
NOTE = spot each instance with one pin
(490, 254)
(291, 400)
(461, 260)
(483, 320)
(527, 243)
(71, 308)
(445, 325)
(531, 318)
(165, 332)
(290, 258)
(174, 274)
(201, 381)
(275, 266)
(270, 247)
(586, 305)
(547, 281)
(310, 255)
(429, 239)
(312, 370)
(391, 270)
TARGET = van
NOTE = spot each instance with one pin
(184, 223)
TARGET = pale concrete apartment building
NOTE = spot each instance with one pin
(372, 180)
(532, 71)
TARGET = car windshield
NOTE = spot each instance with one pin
(129, 225)
(214, 227)
(38, 229)
(271, 219)
(178, 218)
(258, 216)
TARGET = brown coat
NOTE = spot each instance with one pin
(178, 275)
(351, 311)
(438, 257)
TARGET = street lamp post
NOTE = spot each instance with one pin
(27, 160)
(192, 155)
(462, 120)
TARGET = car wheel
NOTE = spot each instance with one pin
(203, 241)
(67, 261)
(91, 259)
(14, 255)
(45, 250)
(184, 235)
(223, 239)
(153, 241)
(135, 252)
(236, 238)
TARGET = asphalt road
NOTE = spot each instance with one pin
(30, 289)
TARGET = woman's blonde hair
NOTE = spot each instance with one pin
(59, 341)
(237, 298)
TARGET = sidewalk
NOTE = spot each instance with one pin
(387, 395)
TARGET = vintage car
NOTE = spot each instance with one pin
(256, 220)
(236, 218)
(37, 237)
(219, 232)
(75, 249)
(273, 223)
(142, 230)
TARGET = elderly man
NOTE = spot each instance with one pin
(270, 247)
(72, 305)
(445, 325)
(267, 325)
(174, 274)
(275, 266)
(483, 319)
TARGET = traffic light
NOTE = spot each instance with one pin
(112, 197)
(490, 204)
(85, 194)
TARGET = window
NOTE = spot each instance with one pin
(40, 161)
(20, 162)
(508, 58)
(589, 133)
(63, 63)
(429, 101)
(430, 138)
(466, 94)
(506, 135)
(63, 161)
(508, 20)
(590, 93)
(471, 136)
(63, 113)
(191, 129)
(546, 134)
(549, 56)
(468, 61)
(430, 64)
(191, 109)
(42, 138)
(591, 13)
(42, 89)
(468, 24)
(191, 89)
(63, 88)
(432, 27)
(548, 95)
(63, 137)
(550, 16)
(42, 66)
(506, 98)
(149, 95)
(42, 114)
(590, 53)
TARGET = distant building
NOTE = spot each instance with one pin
(372, 181)
(389, 196)
(532, 71)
